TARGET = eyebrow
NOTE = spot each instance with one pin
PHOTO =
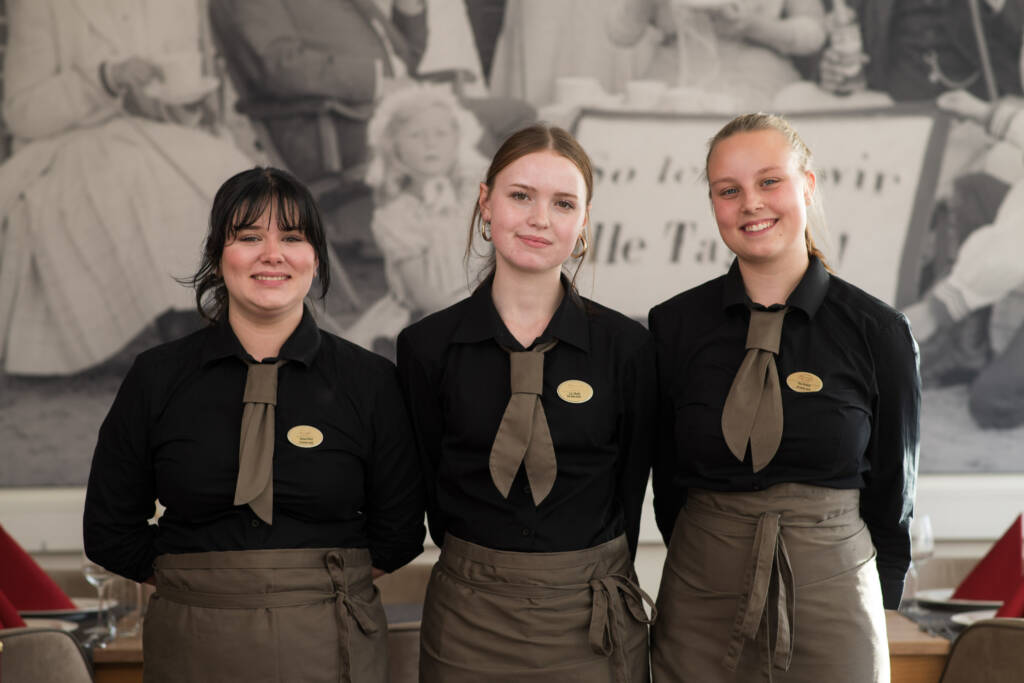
(280, 228)
(533, 189)
(732, 180)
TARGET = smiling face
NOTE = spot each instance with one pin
(268, 268)
(537, 210)
(760, 195)
(427, 142)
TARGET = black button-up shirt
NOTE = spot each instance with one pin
(456, 378)
(859, 431)
(173, 433)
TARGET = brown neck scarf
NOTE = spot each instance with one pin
(753, 408)
(523, 436)
(255, 484)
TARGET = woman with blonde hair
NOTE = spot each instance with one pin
(790, 424)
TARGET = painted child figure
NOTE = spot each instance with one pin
(424, 170)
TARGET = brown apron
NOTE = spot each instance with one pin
(497, 616)
(265, 616)
(775, 585)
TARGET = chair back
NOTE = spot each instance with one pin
(42, 655)
(989, 651)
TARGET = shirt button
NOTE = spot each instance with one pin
(757, 486)
(526, 488)
(526, 532)
(255, 523)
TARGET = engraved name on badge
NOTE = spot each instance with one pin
(575, 391)
(305, 436)
(804, 382)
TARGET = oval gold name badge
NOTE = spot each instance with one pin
(305, 436)
(575, 391)
(804, 382)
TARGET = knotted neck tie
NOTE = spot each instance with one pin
(523, 436)
(753, 408)
(255, 484)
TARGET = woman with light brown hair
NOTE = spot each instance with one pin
(531, 408)
(790, 407)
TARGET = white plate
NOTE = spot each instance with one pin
(82, 606)
(62, 624)
(176, 94)
(968, 618)
(943, 597)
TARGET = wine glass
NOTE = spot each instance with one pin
(922, 547)
(105, 628)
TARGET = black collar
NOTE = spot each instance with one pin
(300, 347)
(807, 296)
(569, 323)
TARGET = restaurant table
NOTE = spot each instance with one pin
(915, 656)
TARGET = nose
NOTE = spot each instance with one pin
(271, 252)
(539, 215)
(752, 202)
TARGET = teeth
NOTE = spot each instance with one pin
(271, 277)
(758, 227)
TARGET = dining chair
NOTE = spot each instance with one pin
(42, 655)
(988, 651)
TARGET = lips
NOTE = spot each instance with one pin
(271, 277)
(534, 241)
(759, 225)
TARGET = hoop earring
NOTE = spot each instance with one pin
(583, 245)
(485, 230)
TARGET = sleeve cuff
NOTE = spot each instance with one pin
(892, 592)
(389, 562)
(105, 80)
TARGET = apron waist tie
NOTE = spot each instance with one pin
(770, 597)
(607, 618)
(345, 602)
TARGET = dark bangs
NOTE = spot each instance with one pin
(241, 201)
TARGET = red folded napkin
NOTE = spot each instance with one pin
(1014, 605)
(998, 574)
(27, 586)
(9, 617)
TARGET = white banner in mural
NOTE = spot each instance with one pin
(654, 234)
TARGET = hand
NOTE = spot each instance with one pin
(839, 71)
(733, 20)
(963, 103)
(377, 573)
(922, 320)
(133, 74)
(138, 103)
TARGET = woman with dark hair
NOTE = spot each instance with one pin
(282, 454)
(790, 404)
(531, 408)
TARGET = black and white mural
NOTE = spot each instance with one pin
(122, 117)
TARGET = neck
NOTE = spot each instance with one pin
(526, 302)
(769, 283)
(263, 337)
